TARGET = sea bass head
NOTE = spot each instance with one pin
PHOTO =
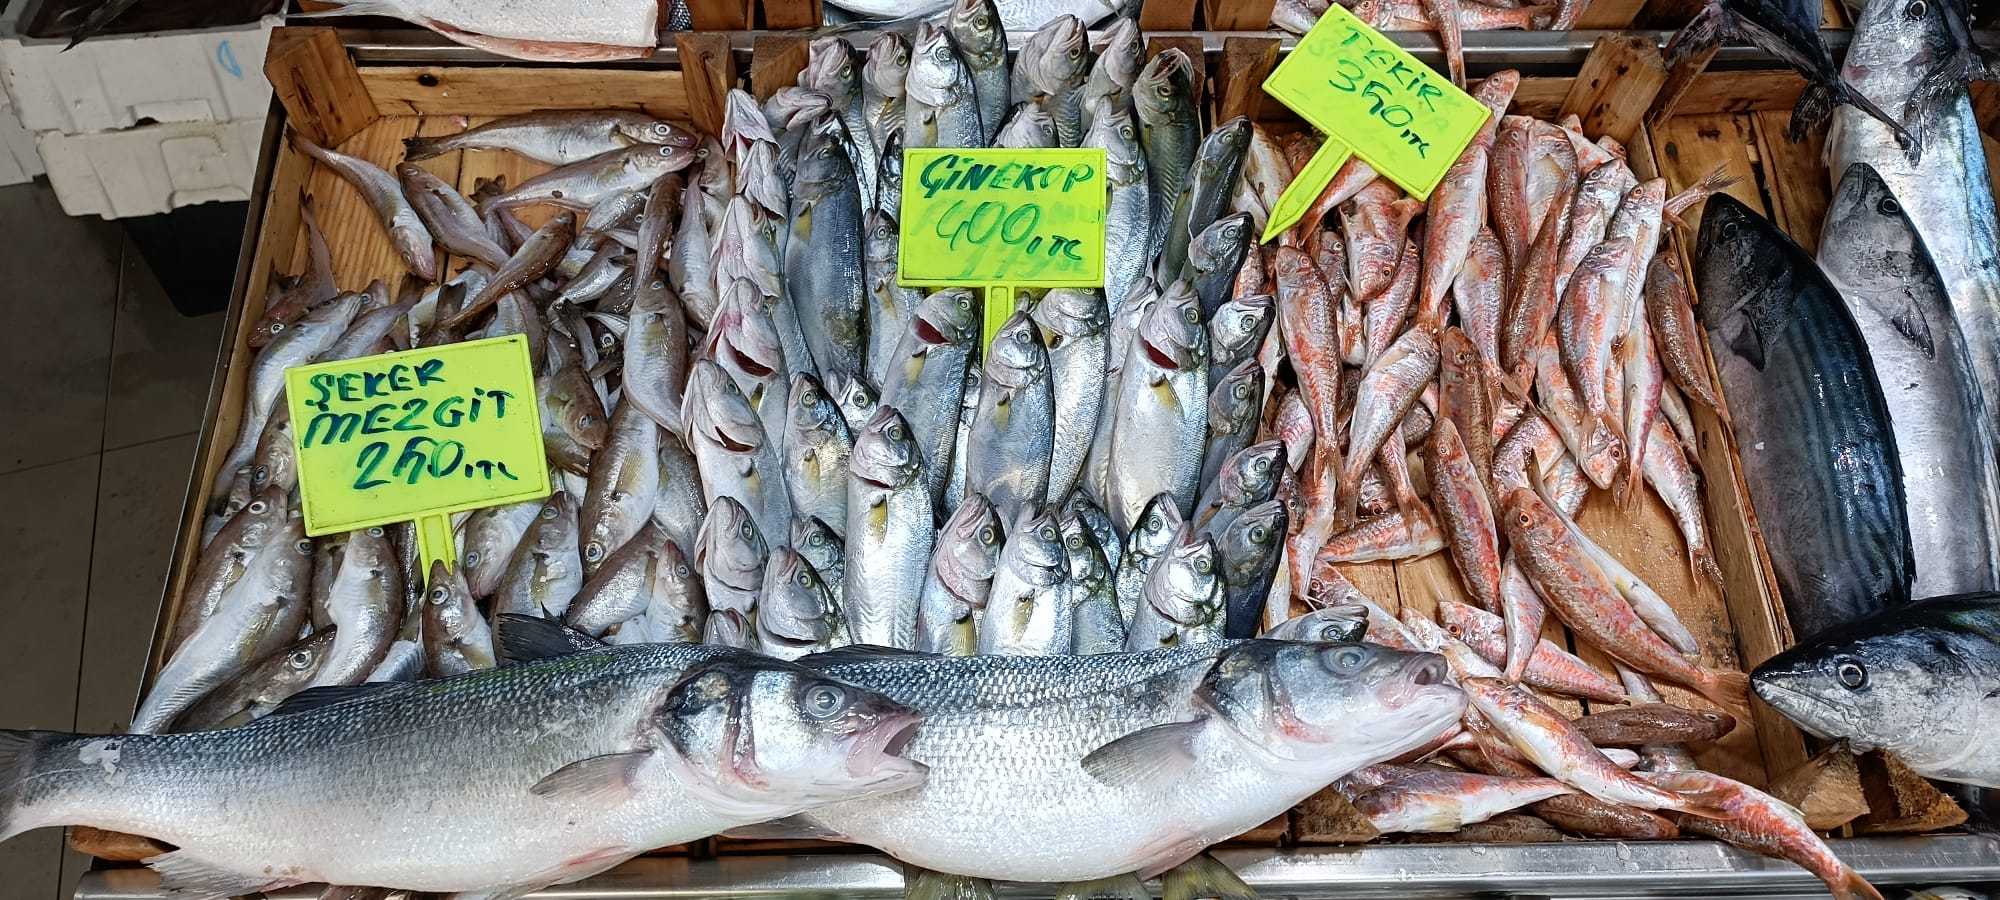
(1333, 705)
(1917, 681)
(1171, 334)
(749, 735)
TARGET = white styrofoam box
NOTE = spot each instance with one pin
(152, 168)
(112, 82)
(18, 159)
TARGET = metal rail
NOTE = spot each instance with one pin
(1565, 871)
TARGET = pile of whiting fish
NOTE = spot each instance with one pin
(1012, 579)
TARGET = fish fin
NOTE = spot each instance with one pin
(356, 8)
(1160, 752)
(524, 638)
(924, 884)
(1204, 876)
(1748, 343)
(1729, 690)
(189, 878)
(1850, 886)
(510, 892)
(859, 653)
(416, 148)
(353, 892)
(1706, 804)
(1945, 78)
(790, 828)
(600, 780)
(1911, 323)
(1707, 29)
(322, 697)
(19, 751)
(1117, 887)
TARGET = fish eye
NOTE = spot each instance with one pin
(1851, 674)
(666, 151)
(472, 559)
(1728, 230)
(1048, 533)
(661, 128)
(1453, 630)
(593, 551)
(1259, 533)
(1193, 316)
(749, 531)
(895, 432)
(1204, 565)
(257, 507)
(439, 595)
(260, 474)
(1889, 206)
(1154, 523)
(1075, 542)
(1916, 10)
(305, 546)
(548, 512)
(681, 570)
(804, 579)
(375, 532)
(823, 700)
(300, 659)
(1347, 659)
(1524, 520)
(986, 535)
(586, 420)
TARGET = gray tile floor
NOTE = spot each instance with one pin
(107, 382)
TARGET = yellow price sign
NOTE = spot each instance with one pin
(1002, 219)
(417, 434)
(1373, 100)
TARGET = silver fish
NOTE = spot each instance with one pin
(257, 690)
(959, 580)
(295, 346)
(746, 343)
(1249, 551)
(1128, 210)
(1083, 795)
(1079, 506)
(890, 533)
(1028, 611)
(624, 487)
(260, 613)
(1951, 492)
(448, 216)
(365, 601)
(679, 507)
(1013, 431)
(582, 185)
(730, 447)
(890, 306)
(546, 570)
(1161, 414)
(227, 557)
(976, 29)
(858, 402)
(1074, 324)
(1028, 127)
(833, 66)
(690, 259)
(882, 77)
(797, 614)
(817, 446)
(1055, 62)
(679, 607)
(729, 556)
(1109, 85)
(456, 638)
(941, 107)
(823, 274)
(556, 137)
(1246, 479)
(1170, 129)
(1341, 624)
(822, 547)
(1182, 600)
(399, 220)
(1096, 624)
(1214, 256)
(1144, 546)
(926, 383)
(621, 587)
(681, 740)
(656, 331)
(1204, 198)
(1235, 411)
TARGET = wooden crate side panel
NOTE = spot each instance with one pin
(493, 91)
(1795, 177)
(1682, 150)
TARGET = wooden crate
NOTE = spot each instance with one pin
(1734, 118)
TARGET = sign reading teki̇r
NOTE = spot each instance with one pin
(417, 435)
(1373, 100)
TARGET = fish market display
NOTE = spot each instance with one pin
(1448, 19)
(1381, 433)
(556, 770)
(1918, 682)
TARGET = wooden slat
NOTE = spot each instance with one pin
(1986, 105)
(1686, 148)
(709, 70)
(1378, 581)
(477, 166)
(1541, 97)
(719, 15)
(1615, 86)
(1726, 92)
(314, 79)
(1610, 15)
(775, 62)
(1241, 15)
(784, 14)
(1668, 14)
(497, 91)
(1239, 80)
(1166, 15)
(1795, 176)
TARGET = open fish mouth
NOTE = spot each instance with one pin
(1160, 357)
(1415, 679)
(877, 749)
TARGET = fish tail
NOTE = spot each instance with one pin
(357, 8)
(1706, 30)
(1117, 887)
(1203, 876)
(415, 148)
(925, 884)
(20, 751)
(1729, 690)
(1849, 885)
(1703, 562)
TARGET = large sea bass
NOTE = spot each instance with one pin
(1136, 761)
(498, 780)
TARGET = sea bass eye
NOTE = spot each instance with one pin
(1916, 10)
(1346, 659)
(823, 700)
(1851, 674)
